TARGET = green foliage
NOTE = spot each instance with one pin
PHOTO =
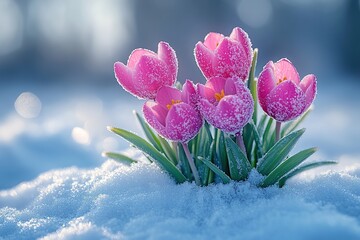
(218, 158)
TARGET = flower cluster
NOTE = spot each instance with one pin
(211, 132)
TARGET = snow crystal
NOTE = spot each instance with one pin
(116, 201)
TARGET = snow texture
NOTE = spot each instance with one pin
(115, 201)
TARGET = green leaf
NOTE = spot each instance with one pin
(291, 126)
(239, 165)
(150, 135)
(301, 169)
(221, 150)
(257, 139)
(169, 152)
(261, 124)
(183, 162)
(225, 178)
(267, 134)
(287, 166)
(121, 158)
(253, 84)
(151, 151)
(248, 137)
(278, 152)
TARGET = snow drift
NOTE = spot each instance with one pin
(116, 201)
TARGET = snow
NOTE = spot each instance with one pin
(115, 201)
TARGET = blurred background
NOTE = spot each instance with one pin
(58, 92)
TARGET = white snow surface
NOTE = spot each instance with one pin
(115, 201)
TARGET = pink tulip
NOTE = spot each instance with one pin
(147, 71)
(173, 114)
(226, 57)
(281, 93)
(226, 103)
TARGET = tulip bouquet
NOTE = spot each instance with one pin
(213, 132)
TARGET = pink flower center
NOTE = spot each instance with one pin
(281, 80)
(173, 102)
(220, 95)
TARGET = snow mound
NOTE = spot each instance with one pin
(137, 202)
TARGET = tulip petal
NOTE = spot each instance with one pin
(124, 77)
(189, 94)
(217, 84)
(212, 40)
(231, 60)
(286, 101)
(241, 36)
(183, 122)
(206, 92)
(230, 115)
(167, 54)
(266, 83)
(155, 115)
(308, 85)
(230, 88)
(167, 95)
(135, 56)
(285, 69)
(150, 74)
(204, 59)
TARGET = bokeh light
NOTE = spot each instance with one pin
(28, 105)
(255, 13)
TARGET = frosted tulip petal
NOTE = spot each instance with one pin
(207, 93)
(167, 54)
(285, 69)
(136, 55)
(167, 94)
(217, 84)
(124, 77)
(286, 101)
(204, 59)
(212, 40)
(230, 60)
(266, 83)
(151, 73)
(241, 36)
(155, 115)
(182, 122)
(308, 85)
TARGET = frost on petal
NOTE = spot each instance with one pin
(124, 77)
(183, 122)
(285, 70)
(150, 74)
(168, 95)
(241, 36)
(230, 60)
(155, 115)
(232, 114)
(168, 55)
(212, 40)
(207, 110)
(308, 85)
(266, 83)
(204, 59)
(189, 94)
(286, 102)
(136, 55)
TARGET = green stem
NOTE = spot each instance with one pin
(240, 142)
(192, 164)
(277, 131)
